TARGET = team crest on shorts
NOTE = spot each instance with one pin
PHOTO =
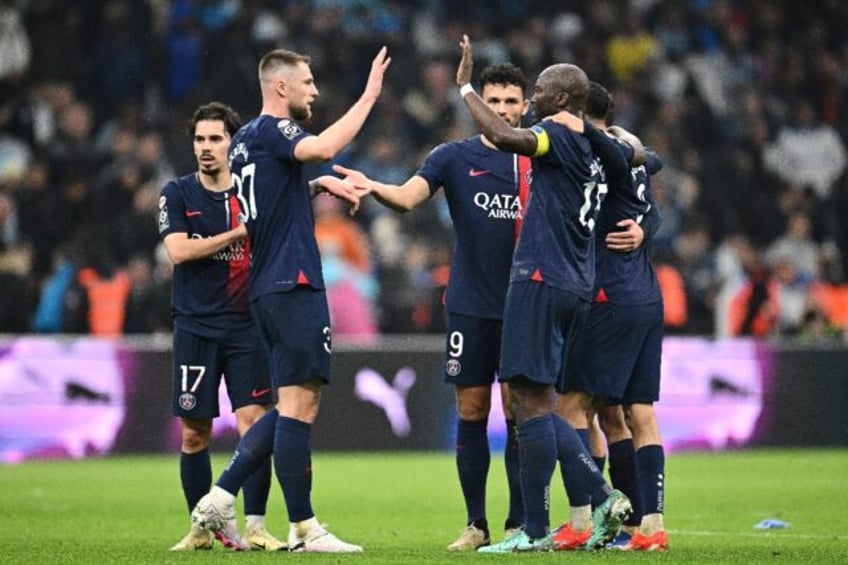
(453, 367)
(187, 401)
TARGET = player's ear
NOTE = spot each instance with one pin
(525, 107)
(280, 87)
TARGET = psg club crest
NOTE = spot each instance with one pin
(187, 401)
(453, 367)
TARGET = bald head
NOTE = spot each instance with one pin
(561, 87)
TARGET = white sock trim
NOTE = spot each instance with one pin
(304, 527)
(254, 521)
(581, 517)
(221, 496)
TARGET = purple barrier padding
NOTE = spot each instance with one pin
(57, 399)
(88, 397)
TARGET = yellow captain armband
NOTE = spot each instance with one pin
(543, 142)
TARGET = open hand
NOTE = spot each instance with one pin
(357, 179)
(568, 120)
(466, 64)
(378, 70)
(340, 189)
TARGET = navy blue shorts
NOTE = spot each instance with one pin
(539, 324)
(617, 355)
(200, 362)
(294, 327)
(472, 350)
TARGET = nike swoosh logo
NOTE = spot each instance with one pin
(192, 213)
(476, 173)
(257, 393)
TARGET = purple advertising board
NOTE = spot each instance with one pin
(81, 397)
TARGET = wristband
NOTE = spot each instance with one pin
(465, 89)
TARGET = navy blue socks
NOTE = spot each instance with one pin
(472, 463)
(252, 451)
(293, 465)
(537, 451)
(195, 476)
(623, 476)
(650, 473)
(515, 517)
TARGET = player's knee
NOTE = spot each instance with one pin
(473, 403)
(641, 418)
(196, 435)
(472, 413)
(249, 415)
(531, 401)
(611, 420)
(300, 402)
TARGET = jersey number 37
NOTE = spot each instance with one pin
(244, 190)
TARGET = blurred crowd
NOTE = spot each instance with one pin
(745, 100)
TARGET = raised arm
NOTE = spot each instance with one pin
(401, 198)
(496, 130)
(331, 141)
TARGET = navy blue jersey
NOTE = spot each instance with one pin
(274, 192)
(484, 189)
(627, 278)
(556, 243)
(209, 295)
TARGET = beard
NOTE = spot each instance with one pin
(210, 168)
(540, 112)
(301, 113)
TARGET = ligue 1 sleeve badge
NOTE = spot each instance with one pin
(187, 401)
(453, 367)
(289, 129)
(164, 221)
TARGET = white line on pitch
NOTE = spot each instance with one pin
(775, 533)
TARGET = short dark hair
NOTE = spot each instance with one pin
(216, 111)
(599, 103)
(504, 73)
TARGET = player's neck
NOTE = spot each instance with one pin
(218, 182)
(486, 142)
(599, 124)
(274, 113)
(275, 109)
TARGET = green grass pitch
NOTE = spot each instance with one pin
(406, 507)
